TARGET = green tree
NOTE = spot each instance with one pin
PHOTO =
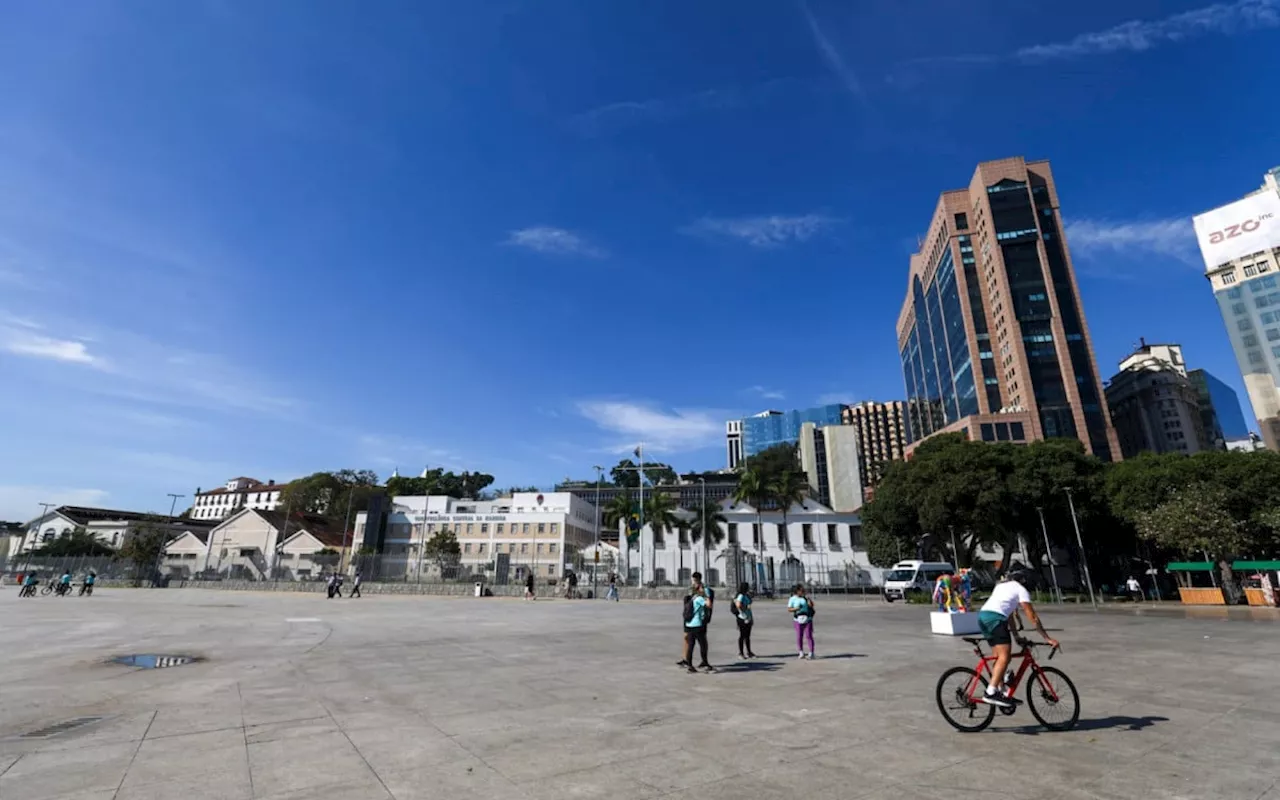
(77, 543)
(753, 490)
(773, 460)
(437, 481)
(787, 489)
(618, 512)
(443, 548)
(330, 494)
(144, 547)
(883, 549)
(625, 474)
(660, 515)
(713, 514)
(1195, 520)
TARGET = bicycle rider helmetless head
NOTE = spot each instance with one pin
(1000, 612)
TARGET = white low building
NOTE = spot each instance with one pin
(818, 546)
(252, 543)
(110, 526)
(507, 538)
(237, 493)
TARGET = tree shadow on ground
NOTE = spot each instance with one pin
(1101, 724)
(751, 666)
(833, 656)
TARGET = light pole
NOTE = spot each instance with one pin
(1084, 557)
(1048, 551)
(706, 553)
(596, 558)
(173, 503)
(44, 512)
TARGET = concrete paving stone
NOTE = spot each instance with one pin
(291, 729)
(681, 769)
(179, 720)
(1163, 775)
(367, 789)
(197, 758)
(594, 782)
(401, 749)
(283, 765)
(464, 778)
(228, 788)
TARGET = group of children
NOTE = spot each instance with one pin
(31, 580)
(700, 603)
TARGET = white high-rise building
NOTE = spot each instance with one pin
(733, 442)
(1240, 243)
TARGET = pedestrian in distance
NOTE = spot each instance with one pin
(355, 585)
(695, 628)
(29, 584)
(529, 583)
(613, 587)
(332, 584)
(90, 578)
(1135, 589)
(801, 608)
(742, 611)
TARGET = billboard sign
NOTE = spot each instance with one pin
(1239, 229)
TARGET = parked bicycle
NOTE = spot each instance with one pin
(1051, 695)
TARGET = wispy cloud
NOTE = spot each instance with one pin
(675, 430)
(832, 57)
(766, 393)
(553, 242)
(617, 116)
(1141, 35)
(22, 503)
(408, 456)
(1173, 237)
(837, 398)
(766, 231)
(22, 341)
(1134, 36)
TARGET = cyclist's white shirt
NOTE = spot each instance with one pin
(1006, 598)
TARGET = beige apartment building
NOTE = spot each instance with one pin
(882, 435)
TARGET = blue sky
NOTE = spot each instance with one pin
(273, 238)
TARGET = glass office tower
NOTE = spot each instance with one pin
(992, 330)
(762, 432)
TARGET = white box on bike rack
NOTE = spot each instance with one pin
(963, 623)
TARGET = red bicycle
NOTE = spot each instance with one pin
(1051, 695)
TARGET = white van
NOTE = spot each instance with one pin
(913, 576)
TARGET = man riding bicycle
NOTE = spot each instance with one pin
(995, 618)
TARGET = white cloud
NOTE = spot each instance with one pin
(553, 241)
(20, 341)
(22, 503)
(831, 55)
(1141, 35)
(767, 394)
(677, 430)
(765, 231)
(1173, 237)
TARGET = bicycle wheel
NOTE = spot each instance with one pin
(956, 689)
(47, 590)
(1059, 709)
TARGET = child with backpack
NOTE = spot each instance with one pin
(742, 610)
(801, 608)
(696, 612)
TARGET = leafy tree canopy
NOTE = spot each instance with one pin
(625, 474)
(328, 493)
(774, 460)
(77, 543)
(439, 482)
(442, 548)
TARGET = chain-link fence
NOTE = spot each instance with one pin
(52, 568)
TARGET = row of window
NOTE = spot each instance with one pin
(481, 548)
(499, 528)
(1002, 432)
(806, 535)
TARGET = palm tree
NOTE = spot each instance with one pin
(753, 489)
(617, 512)
(660, 514)
(785, 490)
(711, 515)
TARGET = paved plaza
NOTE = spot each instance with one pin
(409, 697)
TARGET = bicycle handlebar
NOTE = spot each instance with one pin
(1027, 644)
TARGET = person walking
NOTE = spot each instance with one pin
(613, 587)
(528, 587)
(333, 584)
(89, 579)
(801, 608)
(355, 585)
(1135, 589)
(742, 611)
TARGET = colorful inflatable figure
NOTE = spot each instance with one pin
(942, 592)
(966, 589)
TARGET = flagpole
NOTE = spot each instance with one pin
(640, 533)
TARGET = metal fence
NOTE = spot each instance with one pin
(47, 568)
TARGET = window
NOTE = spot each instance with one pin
(988, 432)
(542, 527)
(498, 529)
(466, 548)
(480, 549)
(1243, 324)
(733, 533)
(1002, 432)
(1256, 287)
(1250, 271)
(524, 547)
(1229, 277)
(755, 534)
(431, 528)
(1255, 357)
(1249, 340)
(1267, 317)
(806, 533)
(1016, 433)
(551, 570)
(470, 527)
(1234, 294)
(1275, 351)
(484, 527)
(555, 527)
(524, 527)
(962, 222)
(1269, 281)
(833, 536)
(1260, 301)
(1238, 308)
(1273, 334)
(551, 548)
(538, 549)
(784, 540)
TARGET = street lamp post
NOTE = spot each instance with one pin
(595, 559)
(1048, 552)
(1084, 557)
(31, 546)
(706, 553)
(173, 503)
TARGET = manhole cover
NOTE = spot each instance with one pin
(61, 727)
(153, 661)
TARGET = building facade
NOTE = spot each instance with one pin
(1220, 413)
(764, 430)
(109, 526)
(733, 443)
(1240, 243)
(689, 492)
(505, 539)
(218, 504)
(1154, 405)
(829, 456)
(992, 321)
(815, 545)
(882, 435)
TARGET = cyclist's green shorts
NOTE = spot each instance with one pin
(994, 627)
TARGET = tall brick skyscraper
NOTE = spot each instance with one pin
(992, 334)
